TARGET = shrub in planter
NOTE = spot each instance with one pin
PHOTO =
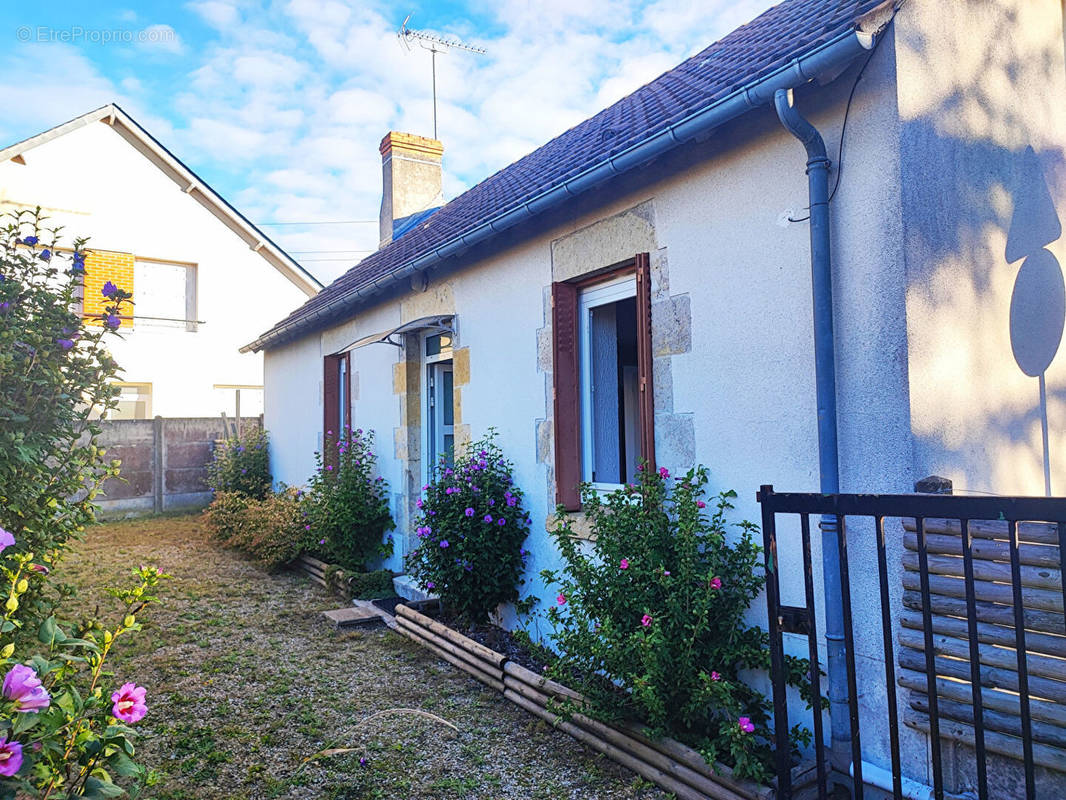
(649, 619)
(370, 585)
(271, 530)
(241, 464)
(471, 529)
(346, 506)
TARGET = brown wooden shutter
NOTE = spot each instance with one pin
(330, 403)
(567, 396)
(347, 390)
(644, 360)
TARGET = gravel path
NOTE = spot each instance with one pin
(246, 680)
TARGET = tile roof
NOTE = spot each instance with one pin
(783, 33)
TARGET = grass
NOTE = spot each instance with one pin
(246, 681)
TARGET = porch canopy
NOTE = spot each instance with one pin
(438, 324)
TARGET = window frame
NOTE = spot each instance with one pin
(569, 428)
(612, 290)
(192, 281)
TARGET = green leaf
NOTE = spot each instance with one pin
(49, 633)
(96, 788)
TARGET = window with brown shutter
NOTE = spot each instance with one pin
(336, 398)
(604, 404)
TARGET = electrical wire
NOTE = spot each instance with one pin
(844, 125)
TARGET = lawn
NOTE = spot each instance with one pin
(246, 681)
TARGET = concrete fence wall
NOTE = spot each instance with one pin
(164, 462)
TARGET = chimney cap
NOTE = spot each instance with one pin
(410, 144)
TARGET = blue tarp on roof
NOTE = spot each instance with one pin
(411, 221)
(765, 44)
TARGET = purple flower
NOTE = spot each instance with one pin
(487, 518)
(469, 511)
(443, 543)
(129, 703)
(30, 240)
(109, 289)
(419, 502)
(492, 502)
(664, 472)
(511, 500)
(22, 685)
(112, 321)
(646, 620)
(66, 344)
(362, 762)
(307, 527)
(501, 522)
(6, 539)
(623, 564)
(4, 306)
(431, 585)
(746, 725)
(10, 757)
(45, 255)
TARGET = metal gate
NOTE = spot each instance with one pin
(996, 533)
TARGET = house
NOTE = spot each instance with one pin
(203, 277)
(677, 233)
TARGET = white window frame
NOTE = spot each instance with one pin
(192, 278)
(432, 414)
(601, 294)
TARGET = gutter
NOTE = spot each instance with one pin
(833, 55)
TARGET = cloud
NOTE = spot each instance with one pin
(160, 38)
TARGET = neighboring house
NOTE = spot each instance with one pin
(524, 303)
(203, 278)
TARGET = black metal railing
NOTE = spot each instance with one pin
(995, 610)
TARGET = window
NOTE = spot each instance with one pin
(164, 294)
(439, 401)
(336, 395)
(604, 410)
(134, 401)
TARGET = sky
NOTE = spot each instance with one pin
(280, 105)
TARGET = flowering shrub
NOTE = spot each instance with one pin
(55, 375)
(346, 506)
(649, 619)
(271, 530)
(471, 529)
(60, 734)
(241, 464)
(60, 737)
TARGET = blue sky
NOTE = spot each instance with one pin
(280, 105)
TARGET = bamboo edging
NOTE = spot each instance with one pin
(669, 764)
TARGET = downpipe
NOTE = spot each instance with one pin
(825, 378)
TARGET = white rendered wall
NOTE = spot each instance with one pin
(95, 184)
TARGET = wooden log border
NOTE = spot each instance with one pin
(669, 764)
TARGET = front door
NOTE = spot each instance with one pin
(441, 414)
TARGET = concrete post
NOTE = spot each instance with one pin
(158, 465)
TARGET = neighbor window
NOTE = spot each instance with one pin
(604, 413)
(164, 294)
(134, 401)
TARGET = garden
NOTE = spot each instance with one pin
(182, 657)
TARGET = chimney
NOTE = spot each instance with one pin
(411, 179)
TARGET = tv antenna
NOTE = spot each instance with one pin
(434, 44)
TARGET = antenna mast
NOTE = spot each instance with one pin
(434, 44)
